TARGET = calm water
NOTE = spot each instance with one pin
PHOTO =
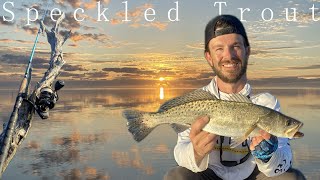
(86, 136)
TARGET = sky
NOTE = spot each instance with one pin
(128, 50)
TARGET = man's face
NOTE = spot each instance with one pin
(228, 57)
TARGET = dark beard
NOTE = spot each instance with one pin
(232, 80)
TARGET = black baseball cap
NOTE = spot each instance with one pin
(224, 24)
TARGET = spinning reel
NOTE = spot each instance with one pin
(47, 99)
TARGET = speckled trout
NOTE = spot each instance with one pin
(237, 118)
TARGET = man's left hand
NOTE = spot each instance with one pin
(263, 146)
(257, 139)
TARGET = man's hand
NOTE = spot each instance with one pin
(263, 146)
(256, 140)
(202, 141)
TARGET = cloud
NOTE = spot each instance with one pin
(258, 52)
(287, 82)
(196, 46)
(18, 41)
(85, 75)
(35, 6)
(306, 67)
(76, 36)
(70, 75)
(60, 3)
(205, 75)
(96, 75)
(69, 67)
(126, 70)
(135, 18)
(68, 22)
(37, 62)
(158, 25)
(112, 83)
(306, 17)
(115, 21)
(7, 23)
(139, 72)
(73, 45)
(30, 30)
(280, 49)
(21, 59)
(73, 3)
(93, 3)
(88, 27)
(134, 14)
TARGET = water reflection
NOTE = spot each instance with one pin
(86, 137)
(86, 173)
(161, 96)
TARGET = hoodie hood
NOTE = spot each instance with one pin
(213, 88)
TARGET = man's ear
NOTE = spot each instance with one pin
(208, 58)
(248, 50)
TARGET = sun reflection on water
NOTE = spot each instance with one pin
(161, 93)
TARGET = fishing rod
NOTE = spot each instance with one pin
(22, 94)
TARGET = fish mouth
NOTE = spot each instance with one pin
(294, 132)
(298, 135)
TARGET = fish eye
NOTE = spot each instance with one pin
(288, 123)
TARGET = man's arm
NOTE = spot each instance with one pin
(281, 158)
(194, 145)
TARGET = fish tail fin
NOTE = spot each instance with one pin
(138, 124)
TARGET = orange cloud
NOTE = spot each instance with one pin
(115, 21)
(158, 25)
(136, 16)
(135, 25)
(93, 3)
(73, 3)
(18, 41)
(89, 37)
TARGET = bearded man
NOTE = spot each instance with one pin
(202, 155)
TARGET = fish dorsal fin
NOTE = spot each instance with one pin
(239, 98)
(196, 95)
